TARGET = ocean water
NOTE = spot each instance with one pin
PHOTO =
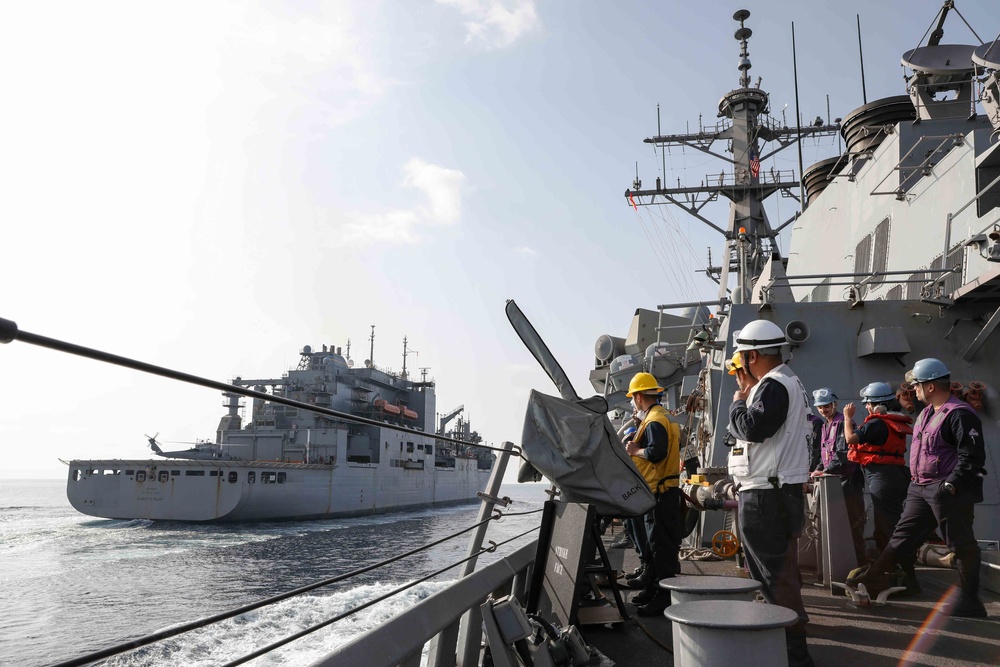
(71, 584)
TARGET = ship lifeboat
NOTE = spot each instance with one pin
(409, 414)
(387, 407)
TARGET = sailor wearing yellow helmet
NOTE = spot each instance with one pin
(655, 451)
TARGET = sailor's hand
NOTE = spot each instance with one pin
(848, 410)
(817, 473)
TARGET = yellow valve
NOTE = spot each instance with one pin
(725, 544)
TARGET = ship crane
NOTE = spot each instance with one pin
(447, 417)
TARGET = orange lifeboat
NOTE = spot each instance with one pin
(386, 406)
(409, 414)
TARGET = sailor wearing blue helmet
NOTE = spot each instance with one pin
(834, 461)
(947, 467)
(878, 445)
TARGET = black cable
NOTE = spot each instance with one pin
(302, 633)
(194, 625)
(10, 332)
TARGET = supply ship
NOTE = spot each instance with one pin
(288, 462)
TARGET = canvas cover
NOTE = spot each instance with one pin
(575, 446)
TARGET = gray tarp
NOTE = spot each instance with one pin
(577, 448)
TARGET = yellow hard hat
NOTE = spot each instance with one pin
(734, 363)
(643, 382)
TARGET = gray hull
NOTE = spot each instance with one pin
(222, 491)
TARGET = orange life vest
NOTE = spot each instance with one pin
(893, 451)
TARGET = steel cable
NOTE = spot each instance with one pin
(200, 623)
(302, 633)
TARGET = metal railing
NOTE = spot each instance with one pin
(437, 620)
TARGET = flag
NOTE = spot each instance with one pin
(754, 165)
(632, 201)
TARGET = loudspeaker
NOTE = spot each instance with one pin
(797, 332)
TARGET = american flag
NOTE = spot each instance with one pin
(754, 165)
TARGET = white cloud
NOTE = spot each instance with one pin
(526, 253)
(496, 24)
(441, 186)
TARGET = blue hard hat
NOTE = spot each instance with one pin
(877, 392)
(926, 370)
(823, 396)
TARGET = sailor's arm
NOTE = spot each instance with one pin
(849, 435)
(763, 419)
(967, 429)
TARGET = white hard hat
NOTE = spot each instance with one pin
(758, 335)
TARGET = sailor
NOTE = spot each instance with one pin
(879, 447)
(770, 466)
(947, 481)
(834, 461)
(655, 450)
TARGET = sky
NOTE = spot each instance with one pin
(209, 187)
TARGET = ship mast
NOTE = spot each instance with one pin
(746, 125)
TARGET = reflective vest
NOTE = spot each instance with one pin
(893, 451)
(833, 432)
(665, 473)
(933, 458)
(784, 457)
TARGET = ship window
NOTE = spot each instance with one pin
(267, 478)
(409, 447)
(281, 478)
(880, 251)
(76, 475)
(956, 259)
(164, 476)
(251, 477)
(821, 293)
(175, 472)
(914, 285)
(194, 473)
(863, 260)
(233, 477)
(127, 472)
(420, 448)
(140, 476)
(430, 449)
(214, 473)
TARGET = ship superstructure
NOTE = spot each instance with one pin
(894, 256)
(288, 462)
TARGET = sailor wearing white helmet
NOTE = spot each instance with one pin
(947, 468)
(770, 465)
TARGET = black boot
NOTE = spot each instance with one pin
(969, 605)
(906, 576)
(875, 576)
(641, 582)
(798, 653)
(655, 607)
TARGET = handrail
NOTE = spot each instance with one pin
(404, 636)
